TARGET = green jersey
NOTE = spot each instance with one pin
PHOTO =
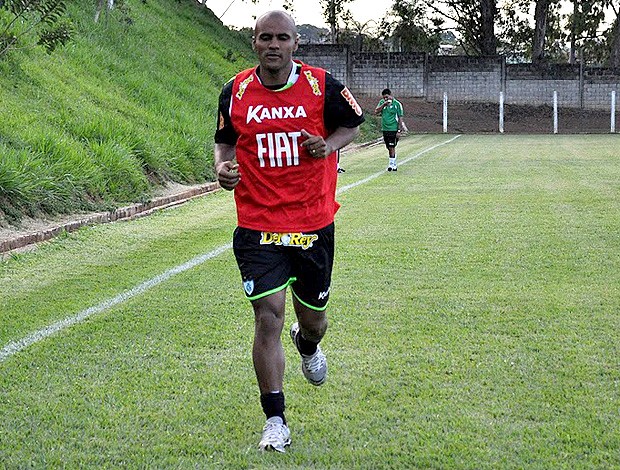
(390, 115)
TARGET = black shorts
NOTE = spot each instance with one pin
(390, 138)
(270, 262)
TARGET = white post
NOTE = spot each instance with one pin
(613, 112)
(501, 112)
(445, 112)
(555, 112)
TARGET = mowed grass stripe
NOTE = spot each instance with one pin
(473, 326)
(14, 347)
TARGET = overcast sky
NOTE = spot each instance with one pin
(242, 13)
(239, 13)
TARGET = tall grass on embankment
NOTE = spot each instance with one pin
(128, 104)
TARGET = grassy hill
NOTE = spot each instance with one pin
(128, 104)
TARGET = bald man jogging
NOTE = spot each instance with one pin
(280, 126)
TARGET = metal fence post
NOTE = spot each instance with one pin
(613, 112)
(501, 112)
(445, 112)
(555, 112)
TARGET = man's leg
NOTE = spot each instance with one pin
(386, 141)
(306, 333)
(390, 143)
(267, 352)
(393, 153)
(268, 357)
(312, 323)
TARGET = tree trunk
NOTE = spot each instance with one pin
(573, 32)
(333, 20)
(540, 30)
(614, 56)
(488, 41)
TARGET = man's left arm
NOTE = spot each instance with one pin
(341, 108)
(341, 137)
(401, 123)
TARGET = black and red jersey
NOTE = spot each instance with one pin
(282, 187)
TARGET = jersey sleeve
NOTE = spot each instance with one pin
(225, 132)
(341, 108)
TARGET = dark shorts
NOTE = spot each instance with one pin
(270, 262)
(390, 138)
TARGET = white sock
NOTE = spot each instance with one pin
(393, 161)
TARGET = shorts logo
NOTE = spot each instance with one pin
(288, 239)
(248, 286)
(323, 295)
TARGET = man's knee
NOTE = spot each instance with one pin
(315, 334)
(313, 326)
(268, 314)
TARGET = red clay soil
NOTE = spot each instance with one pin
(483, 118)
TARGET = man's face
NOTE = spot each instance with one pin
(387, 97)
(275, 40)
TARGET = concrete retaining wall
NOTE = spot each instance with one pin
(465, 79)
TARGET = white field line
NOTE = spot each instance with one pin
(14, 347)
(406, 160)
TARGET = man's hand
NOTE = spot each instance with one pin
(227, 174)
(316, 145)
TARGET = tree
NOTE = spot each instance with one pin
(585, 30)
(540, 30)
(43, 20)
(359, 36)
(532, 30)
(590, 32)
(614, 55)
(475, 22)
(514, 30)
(332, 10)
(408, 25)
(487, 39)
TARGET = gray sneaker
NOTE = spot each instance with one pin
(276, 435)
(314, 367)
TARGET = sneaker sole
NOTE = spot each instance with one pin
(270, 448)
(316, 384)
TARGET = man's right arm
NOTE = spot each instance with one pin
(226, 170)
(380, 107)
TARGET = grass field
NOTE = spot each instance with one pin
(475, 324)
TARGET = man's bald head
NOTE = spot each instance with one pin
(280, 15)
